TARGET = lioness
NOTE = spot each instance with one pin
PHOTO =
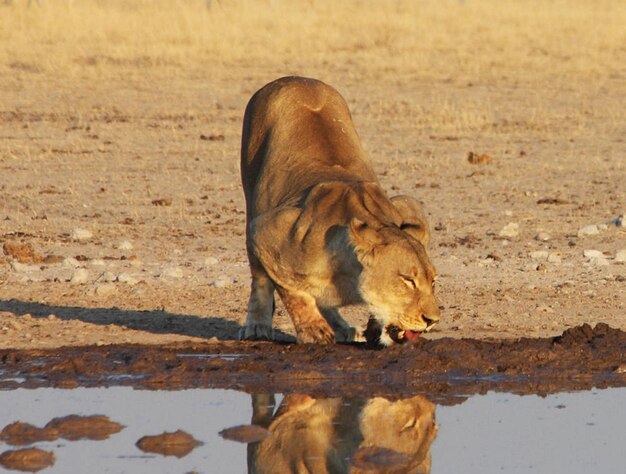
(320, 229)
(338, 435)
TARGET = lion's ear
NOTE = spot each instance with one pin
(413, 218)
(363, 236)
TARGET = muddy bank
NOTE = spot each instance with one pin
(580, 358)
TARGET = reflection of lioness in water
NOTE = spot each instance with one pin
(320, 229)
(344, 436)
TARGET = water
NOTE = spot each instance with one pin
(498, 432)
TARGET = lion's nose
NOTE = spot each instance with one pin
(430, 320)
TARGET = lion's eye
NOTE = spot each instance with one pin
(410, 282)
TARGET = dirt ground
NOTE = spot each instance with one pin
(122, 216)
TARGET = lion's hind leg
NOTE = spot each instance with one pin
(311, 327)
(258, 325)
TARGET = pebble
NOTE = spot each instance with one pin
(81, 234)
(588, 230)
(125, 245)
(23, 267)
(510, 230)
(531, 267)
(598, 262)
(593, 254)
(172, 272)
(211, 261)
(620, 256)
(540, 255)
(80, 276)
(554, 258)
(542, 237)
(222, 281)
(71, 262)
(108, 277)
(106, 289)
(128, 279)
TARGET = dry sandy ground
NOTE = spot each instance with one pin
(143, 155)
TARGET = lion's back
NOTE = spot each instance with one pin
(298, 132)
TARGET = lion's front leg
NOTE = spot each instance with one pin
(258, 325)
(343, 331)
(311, 327)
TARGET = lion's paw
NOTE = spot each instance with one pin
(318, 334)
(256, 332)
(349, 334)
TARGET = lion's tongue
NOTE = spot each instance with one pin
(411, 336)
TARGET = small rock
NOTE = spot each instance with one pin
(125, 245)
(81, 234)
(173, 272)
(71, 262)
(620, 256)
(542, 237)
(593, 254)
(106, 289)
(598, 262)
(554, 258)
(211, 261)
(222, 281)
(540, 255)
(108, 277)
(128, 279)
(588, 230)
(80, 276)
(98, 262)
(510, 230)
(23, 267)
(531, 267)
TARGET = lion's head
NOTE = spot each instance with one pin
(397, 282)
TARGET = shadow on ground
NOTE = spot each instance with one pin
(158, 322)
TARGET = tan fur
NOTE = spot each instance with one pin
(331, 435)
(320, 229)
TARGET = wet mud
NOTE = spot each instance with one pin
(27, 460)
(75, 427)
(178, 443)
(580, 358)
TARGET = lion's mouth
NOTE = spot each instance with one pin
(401, 336)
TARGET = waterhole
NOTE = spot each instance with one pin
(569, 432)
